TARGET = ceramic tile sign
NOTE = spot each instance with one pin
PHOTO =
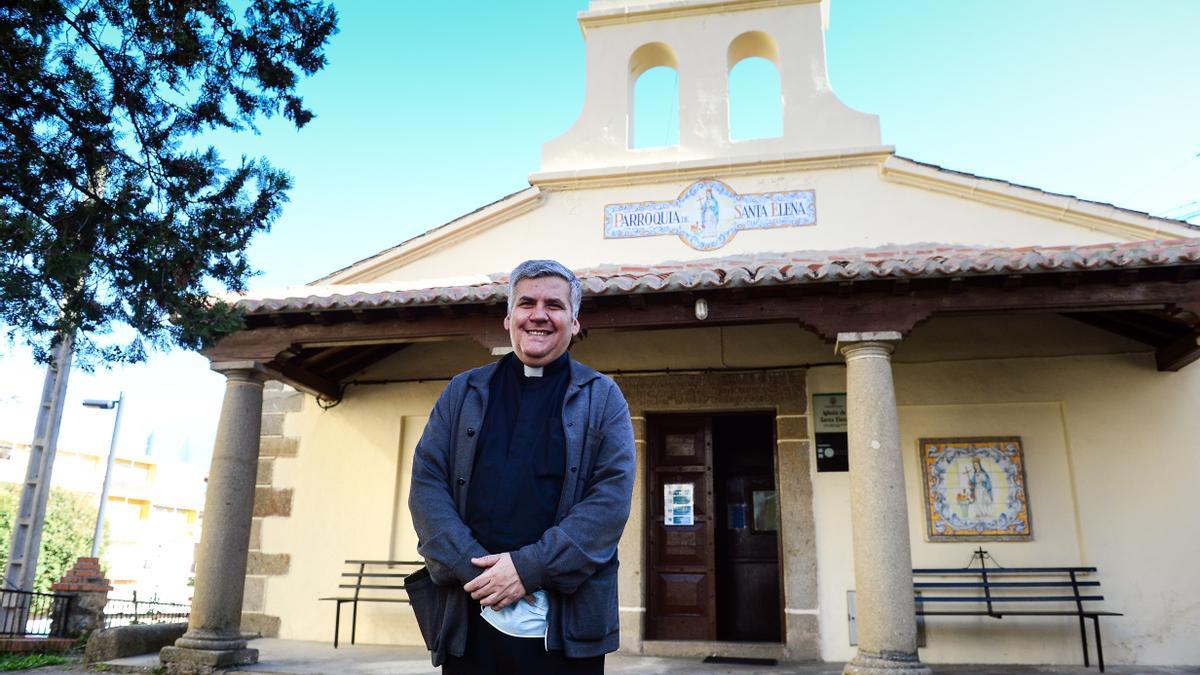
(829, 430)
(680, 505)
(708, 213)
(975, 489)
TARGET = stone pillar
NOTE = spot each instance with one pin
(89, 590)
(887, 626)
(214, 640)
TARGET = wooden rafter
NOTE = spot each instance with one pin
(1178, 353)
(358, 359)
(1121, 326)
(306, 380)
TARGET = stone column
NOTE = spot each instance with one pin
(214, 640)
(887, 626)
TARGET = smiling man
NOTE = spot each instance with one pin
(521, 487)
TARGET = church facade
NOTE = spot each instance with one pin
(840, 364)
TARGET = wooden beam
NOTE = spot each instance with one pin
(318, 359)
(1178, 353)
(366, 316)
(265, 343)
(1186, 308)
(291, 353)
(827, 315)
(1155, 321)
(307, 381)
(1088, 297)
(1106, 322)
(358, 359)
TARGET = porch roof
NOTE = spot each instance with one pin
(317, 337)
(927, 261)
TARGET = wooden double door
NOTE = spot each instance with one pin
(713, 544)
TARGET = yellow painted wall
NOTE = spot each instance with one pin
(1110, 464)
(350, 478)
(569, 226)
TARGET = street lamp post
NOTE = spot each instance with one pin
(112, 454)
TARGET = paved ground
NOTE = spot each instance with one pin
(291, 657)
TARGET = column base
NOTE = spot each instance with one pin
(186, 661)
(212, 640)
(885, 663)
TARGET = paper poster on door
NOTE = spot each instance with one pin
(679, 507)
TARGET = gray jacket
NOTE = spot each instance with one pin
(576, 560)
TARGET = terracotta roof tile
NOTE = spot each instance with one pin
(768, 269)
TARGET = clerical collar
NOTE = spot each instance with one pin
(552, 368)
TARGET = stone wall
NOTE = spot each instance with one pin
(269, 502)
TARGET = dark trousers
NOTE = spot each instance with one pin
(490, 652)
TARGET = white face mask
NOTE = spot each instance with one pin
(522, 619)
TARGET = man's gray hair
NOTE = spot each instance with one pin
(535, 269)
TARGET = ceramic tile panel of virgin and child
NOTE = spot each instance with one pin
(975, 489)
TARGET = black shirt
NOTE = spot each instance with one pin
(521, 457)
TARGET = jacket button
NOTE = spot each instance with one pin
(470, 431)
(462, 481)
(573, 469)
(570, 424)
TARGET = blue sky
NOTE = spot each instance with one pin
(429, 110)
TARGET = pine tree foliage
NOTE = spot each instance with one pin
(112, 209)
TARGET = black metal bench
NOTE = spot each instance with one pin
(370, 581)
(1051, 587)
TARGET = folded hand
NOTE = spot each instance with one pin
(499, 585)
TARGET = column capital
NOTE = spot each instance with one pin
(881, 342)
(249, 371)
